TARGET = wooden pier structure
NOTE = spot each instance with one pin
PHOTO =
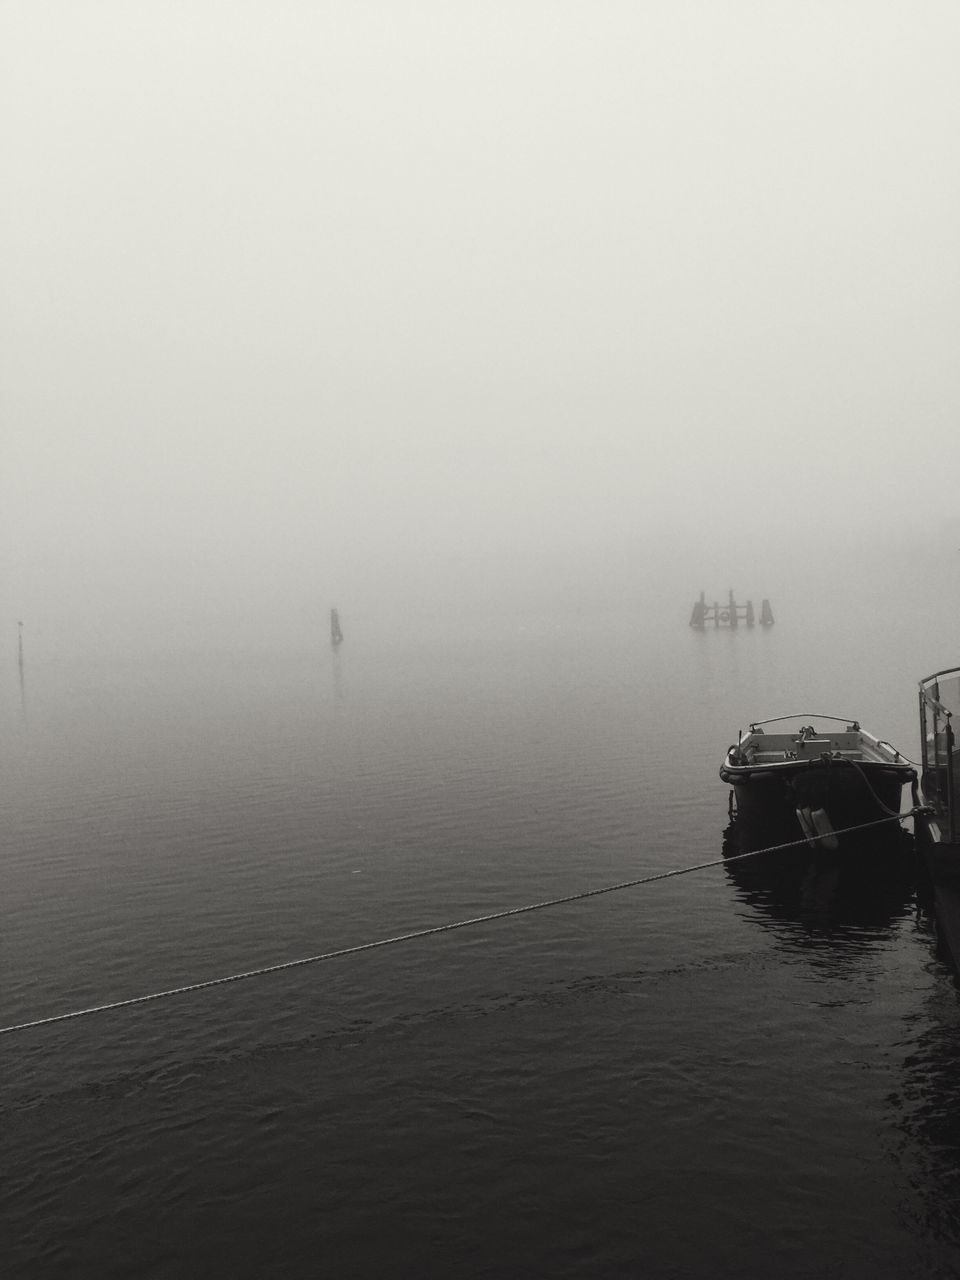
(730, 615)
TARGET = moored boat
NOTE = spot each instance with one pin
(938, 826)
(814, 781)
(940, 764)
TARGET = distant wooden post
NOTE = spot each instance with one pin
(20, 645)
(336, 635)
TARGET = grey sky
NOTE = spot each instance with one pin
(301, 295)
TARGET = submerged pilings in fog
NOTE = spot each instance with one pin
(729, 615)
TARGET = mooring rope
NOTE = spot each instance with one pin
(435, 929)
(884, 808)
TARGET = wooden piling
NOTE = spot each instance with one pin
(730, 615)
(699, 612)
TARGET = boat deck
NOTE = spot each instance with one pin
(774, 748)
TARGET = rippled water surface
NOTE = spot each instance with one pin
(748, 1071)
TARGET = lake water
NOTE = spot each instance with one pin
(715, 1076)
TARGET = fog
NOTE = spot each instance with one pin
(413, 305)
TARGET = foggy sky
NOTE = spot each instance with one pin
(316, 300)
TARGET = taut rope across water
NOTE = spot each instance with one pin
(435, 929)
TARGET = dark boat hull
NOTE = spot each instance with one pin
(938, 827)
(870, 885)
(769, 798)
(941, 857)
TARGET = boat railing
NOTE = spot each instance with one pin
(942, 690)
(808, 715)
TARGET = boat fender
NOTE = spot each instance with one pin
(824, 829)
(805, 818)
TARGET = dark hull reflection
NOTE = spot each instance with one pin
(927, 1109)
(866, 885)
(938, 897)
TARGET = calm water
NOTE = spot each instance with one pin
(711, 1076)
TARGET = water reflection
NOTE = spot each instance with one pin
(337, 675)
(839, 911)
(23, 685)
(861, 890)
(927, 1110)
